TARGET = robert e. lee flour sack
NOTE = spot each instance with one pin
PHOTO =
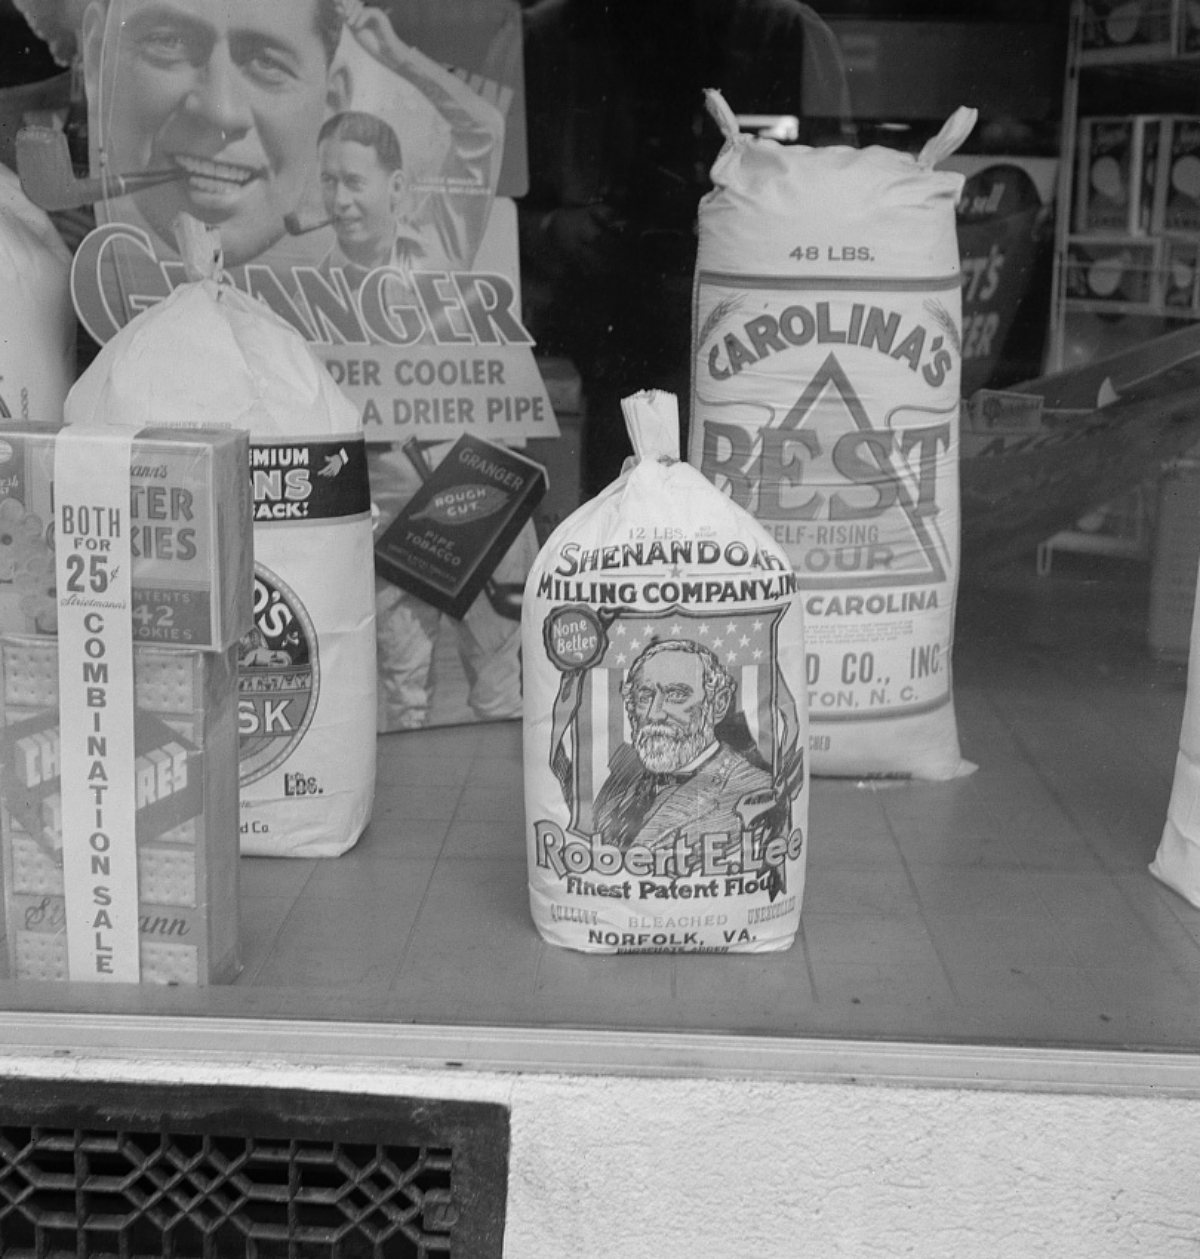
(827, 356)
(666, 790)
(209, 355)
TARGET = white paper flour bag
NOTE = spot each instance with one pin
(210, 355)
(1177, 861)
(37, 321)
(665, 735)
(825, 398)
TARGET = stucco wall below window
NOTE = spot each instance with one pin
(722, 1148)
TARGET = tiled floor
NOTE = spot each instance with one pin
(1010, 906)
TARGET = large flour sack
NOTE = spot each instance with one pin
(210, 355)
(37, 322)
(1177, 861)
(665, 728)
(827, 364)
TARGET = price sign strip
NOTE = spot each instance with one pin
(96, 702)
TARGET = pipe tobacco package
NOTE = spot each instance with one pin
(448, 539)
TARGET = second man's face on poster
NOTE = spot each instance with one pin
(361, 199)
(229, 93)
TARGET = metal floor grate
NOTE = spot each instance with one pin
(89, 1172)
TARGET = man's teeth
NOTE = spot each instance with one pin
(208, 169)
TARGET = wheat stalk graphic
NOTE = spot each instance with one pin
(725, 307)
(946, 321)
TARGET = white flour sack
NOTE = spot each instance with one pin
(666, 792)
(37, 322)
(1177, 861)
(209, 355)
(825, 396)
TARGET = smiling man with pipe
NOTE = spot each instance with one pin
(228, 94)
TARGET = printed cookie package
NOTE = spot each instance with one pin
(188, 498)
(825, 400)
(665, 727)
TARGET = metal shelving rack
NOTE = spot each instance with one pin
(1105, 81)
(1118, 80)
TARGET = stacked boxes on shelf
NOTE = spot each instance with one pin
(1178, 205)
(1137, 215)
(189, 530)
(1187, 30)
(1119, 174)
(1116, 273)
(1116, 30)
(1136, 220)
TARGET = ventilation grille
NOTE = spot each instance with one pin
(247, 1174)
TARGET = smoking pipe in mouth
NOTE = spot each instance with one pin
(300, 223)
(49, 179)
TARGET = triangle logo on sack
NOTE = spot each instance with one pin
(884, 481)
(856, 505)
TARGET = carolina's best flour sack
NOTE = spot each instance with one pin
(827, 356)
(666, 786)
(210, 355)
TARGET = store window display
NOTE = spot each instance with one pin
(1007, 814)
(619, 154)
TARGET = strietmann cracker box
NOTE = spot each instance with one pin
(186, 800)
(193, 570)
(119, 741)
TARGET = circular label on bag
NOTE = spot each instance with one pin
(279, 677)
(574, 637)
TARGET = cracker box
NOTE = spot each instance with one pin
(1180, 203)
(1181, 275)
(1127, 30)
(1114, 273)
(193, 565)
(186, 795)
(1119, 173)
(1187, 35)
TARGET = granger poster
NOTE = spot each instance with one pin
(361, 185)
(360, 162)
